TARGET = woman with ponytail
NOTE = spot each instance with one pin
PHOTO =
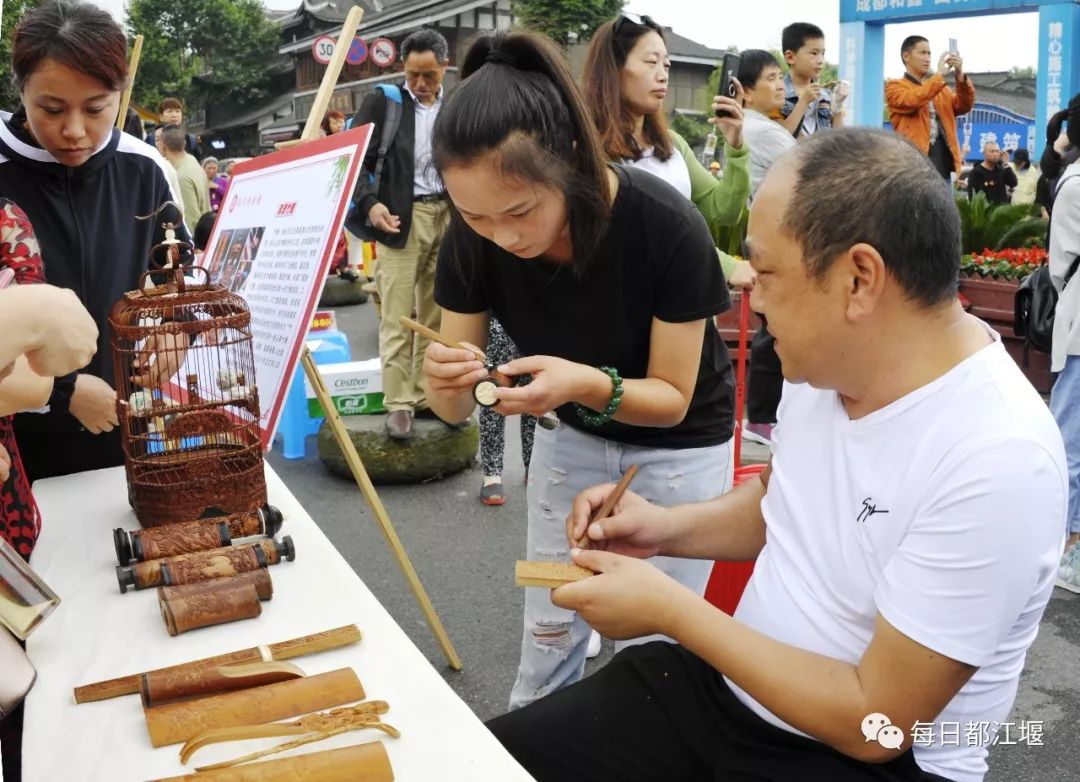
(1062, 150)
(606, 279)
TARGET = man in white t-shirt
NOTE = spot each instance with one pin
(906, 532)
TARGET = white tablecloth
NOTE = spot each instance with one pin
(96, 633)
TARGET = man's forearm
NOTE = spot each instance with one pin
(819, 695)
(730, 527)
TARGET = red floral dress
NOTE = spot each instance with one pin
(20, 521)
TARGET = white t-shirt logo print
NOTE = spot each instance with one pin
(868, 510)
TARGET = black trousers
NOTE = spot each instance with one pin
(657, 712)
(941, 156)
(765, 382)
(52, 454)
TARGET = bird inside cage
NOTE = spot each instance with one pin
(186, 394)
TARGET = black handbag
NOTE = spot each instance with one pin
(1035, 303)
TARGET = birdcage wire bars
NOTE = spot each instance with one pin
(191, 434)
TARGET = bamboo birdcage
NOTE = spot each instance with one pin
(191, 440)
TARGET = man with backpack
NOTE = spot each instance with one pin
(400, 203)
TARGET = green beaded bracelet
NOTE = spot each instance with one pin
(591, 418)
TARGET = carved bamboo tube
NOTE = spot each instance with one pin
(214, 602)
(205, 565)
(173, 723)
(187, 537)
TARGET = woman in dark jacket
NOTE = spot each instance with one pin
(83, 184)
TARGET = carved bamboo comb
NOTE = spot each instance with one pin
(313, 723)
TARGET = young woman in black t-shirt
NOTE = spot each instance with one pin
(606, 279)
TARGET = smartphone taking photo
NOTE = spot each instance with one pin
(728, 69)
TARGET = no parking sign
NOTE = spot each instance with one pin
(358, 51)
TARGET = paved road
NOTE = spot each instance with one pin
(465, 553)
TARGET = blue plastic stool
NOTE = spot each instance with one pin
(328, 347)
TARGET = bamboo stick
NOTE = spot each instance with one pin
(435, 336)
(285, 650)
(609, 504)
(133, 68)
(367, 488)
(333, 70)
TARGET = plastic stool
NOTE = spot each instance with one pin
(327, 347)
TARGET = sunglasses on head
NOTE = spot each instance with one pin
(634, 19)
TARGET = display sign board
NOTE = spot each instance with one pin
(273, 242)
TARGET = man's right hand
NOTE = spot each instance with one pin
(944, 63)
(636, 528)
(93, 404)
(64, 335)
(379, 217)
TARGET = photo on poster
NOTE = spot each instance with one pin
(272, 243)
(217, 254)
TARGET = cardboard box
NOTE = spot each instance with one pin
(355, 387)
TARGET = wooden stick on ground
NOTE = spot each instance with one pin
(285, 650)
(133, 67)
(367, 488)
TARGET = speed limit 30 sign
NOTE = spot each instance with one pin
(323, 49)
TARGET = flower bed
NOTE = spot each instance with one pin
(1003, 265)
(989, 280)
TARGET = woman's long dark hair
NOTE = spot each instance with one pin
(518, 98)
(605, 59)
(1070, 114)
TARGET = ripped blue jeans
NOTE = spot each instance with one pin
(566, 461)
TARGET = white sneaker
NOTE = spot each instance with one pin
(594, 645)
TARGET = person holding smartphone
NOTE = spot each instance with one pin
(625, 84)
(923, 108)
(762, 84)
(993, 176)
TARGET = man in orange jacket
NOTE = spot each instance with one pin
(924, 109)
